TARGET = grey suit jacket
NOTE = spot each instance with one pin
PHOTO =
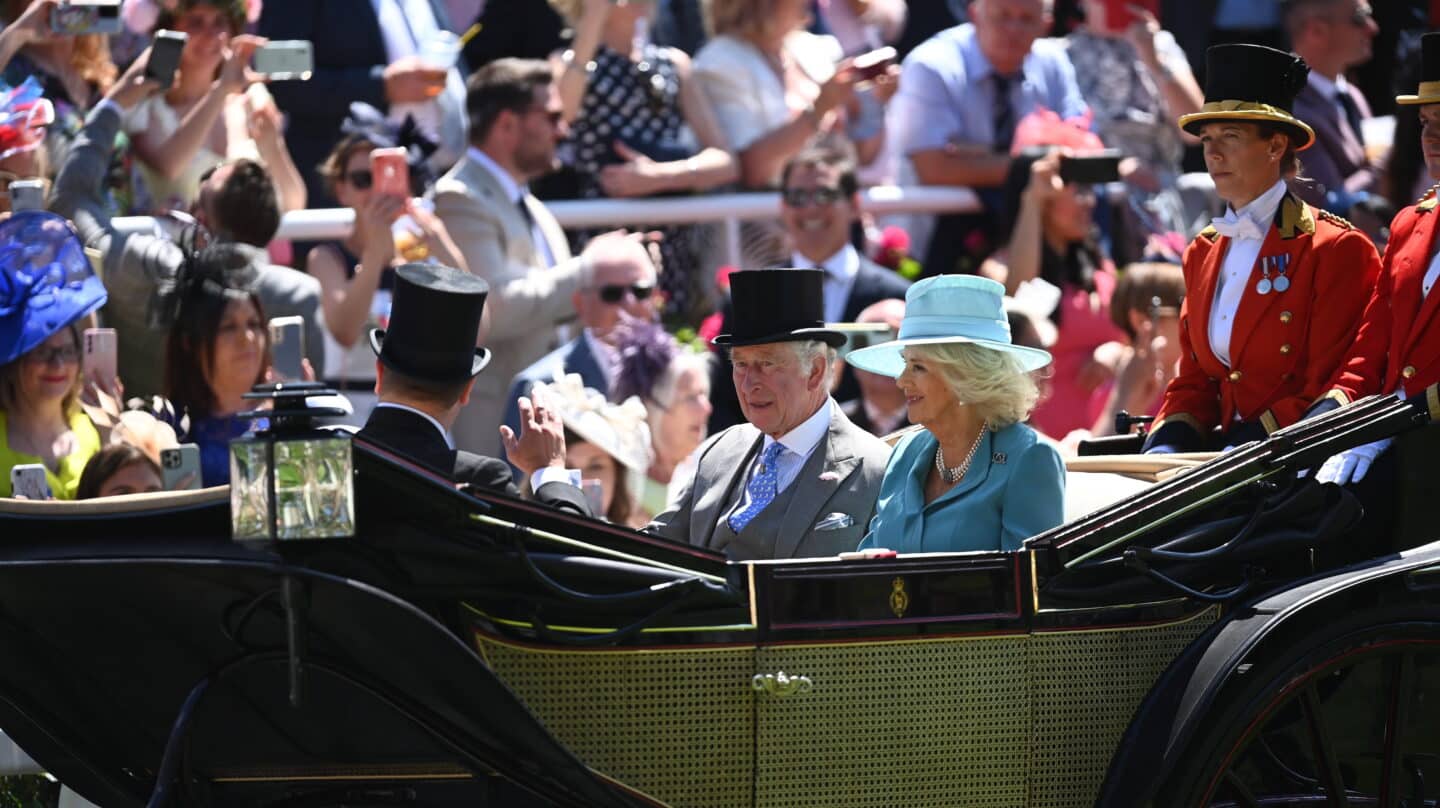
(526, 300)
(848, 483)
(1337, 161)
(133, 263)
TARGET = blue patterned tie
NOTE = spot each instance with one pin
(762, 488)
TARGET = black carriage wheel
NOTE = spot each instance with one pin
(1350, 719)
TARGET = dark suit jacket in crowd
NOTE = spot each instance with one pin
(410, 435)
(872, 284)
(1337, 160)
(350, 59)
(519, 28)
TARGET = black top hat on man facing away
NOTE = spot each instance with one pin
(434, 318)
(1252, 83)
(778, 305)
(1429, 90)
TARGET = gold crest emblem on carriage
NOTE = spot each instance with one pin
(899, 598)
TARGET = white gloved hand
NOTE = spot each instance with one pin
(1351, 465)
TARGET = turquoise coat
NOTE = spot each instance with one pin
(1015, 489)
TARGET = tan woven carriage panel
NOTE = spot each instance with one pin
(677, 725)
(1085, 688)
(943, 722)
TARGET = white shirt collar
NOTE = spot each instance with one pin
(803, 439)
(842, 265)
(1262, 208)
(514, 191)
(449, 441)
(1326, 87)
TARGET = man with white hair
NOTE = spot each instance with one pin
(617, 280)
(798, 480)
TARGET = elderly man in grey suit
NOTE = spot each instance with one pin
(798, 480)
(505, 233)
(237, 203)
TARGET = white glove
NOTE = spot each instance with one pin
(1351, 465)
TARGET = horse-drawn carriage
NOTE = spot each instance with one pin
(1226, 633)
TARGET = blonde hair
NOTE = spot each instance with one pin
(991, 382)
(742, 19)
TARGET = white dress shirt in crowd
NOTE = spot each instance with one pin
(519, 195)
(840, 271)
(1239, 265)
(1333, 90)
(405, 26)
(799, 443)
(1431, 274)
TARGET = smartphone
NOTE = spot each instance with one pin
(1119, 17)
(76, 17)
(180, 467)
(391, 171)
(101, 346)
(29, 481)
(287, 348)
(869, 65)
(1091, 169)
(27, 195)
(165, 56)
(286, 60)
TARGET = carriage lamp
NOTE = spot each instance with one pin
(292, 480)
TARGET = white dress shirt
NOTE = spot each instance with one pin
(1431, 274)
(517, 194)
(799, 444)
(405, 26)
(1236, 269)
(840, 271)
(1333, 90)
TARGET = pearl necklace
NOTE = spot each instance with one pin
(954, 474)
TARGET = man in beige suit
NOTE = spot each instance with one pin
(507, 235)
(798, 480)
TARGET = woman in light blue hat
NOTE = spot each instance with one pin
(976, 477)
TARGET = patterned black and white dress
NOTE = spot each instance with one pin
(638, 103)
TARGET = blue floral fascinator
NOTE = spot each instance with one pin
(46, 281)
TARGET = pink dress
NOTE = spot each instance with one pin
(1084, 326)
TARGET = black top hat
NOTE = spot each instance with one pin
(434, 317)
(778, 305)
(1429, 90)
(1252, 83)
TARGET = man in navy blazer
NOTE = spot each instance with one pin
(819, 205)
(365, 50)
(617, 279)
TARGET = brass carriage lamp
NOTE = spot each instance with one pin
(292, 480)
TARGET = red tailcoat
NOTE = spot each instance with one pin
(1399, 341)
(1286, 347)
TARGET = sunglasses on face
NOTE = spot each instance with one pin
(64, 355)
(360, 180)
(614, 293)
(803, 197)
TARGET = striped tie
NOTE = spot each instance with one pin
(763, 487)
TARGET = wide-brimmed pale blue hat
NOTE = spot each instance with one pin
(46, 281)
(945, 310)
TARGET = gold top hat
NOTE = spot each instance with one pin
(1252, 83)
(1429, 89)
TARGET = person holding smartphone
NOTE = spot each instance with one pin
(41, 420)
(216, 109)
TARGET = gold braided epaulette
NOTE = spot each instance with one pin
(1338, 221)
(1428, 199)
(1209, 233)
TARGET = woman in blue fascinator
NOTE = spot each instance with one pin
(47, 288)
(975, 477)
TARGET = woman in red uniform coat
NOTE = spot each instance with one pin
(1398, 349)
(1275, 289)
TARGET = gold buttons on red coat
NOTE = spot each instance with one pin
(1408, 371)
(1285, 316)
(1234, 375)
(1285, 348)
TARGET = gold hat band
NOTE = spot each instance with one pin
(1427, 93)
(1247, 111)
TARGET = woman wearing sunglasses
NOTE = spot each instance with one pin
(356, 273)
(47, 290)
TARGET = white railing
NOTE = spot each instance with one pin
(728, 209)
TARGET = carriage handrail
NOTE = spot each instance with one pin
(618, 555)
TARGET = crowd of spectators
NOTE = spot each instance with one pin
(594, 99)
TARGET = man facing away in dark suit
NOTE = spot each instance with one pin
(426, 366)
(819, 206)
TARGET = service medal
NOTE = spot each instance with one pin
(1282, 283)
(1263, 287)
